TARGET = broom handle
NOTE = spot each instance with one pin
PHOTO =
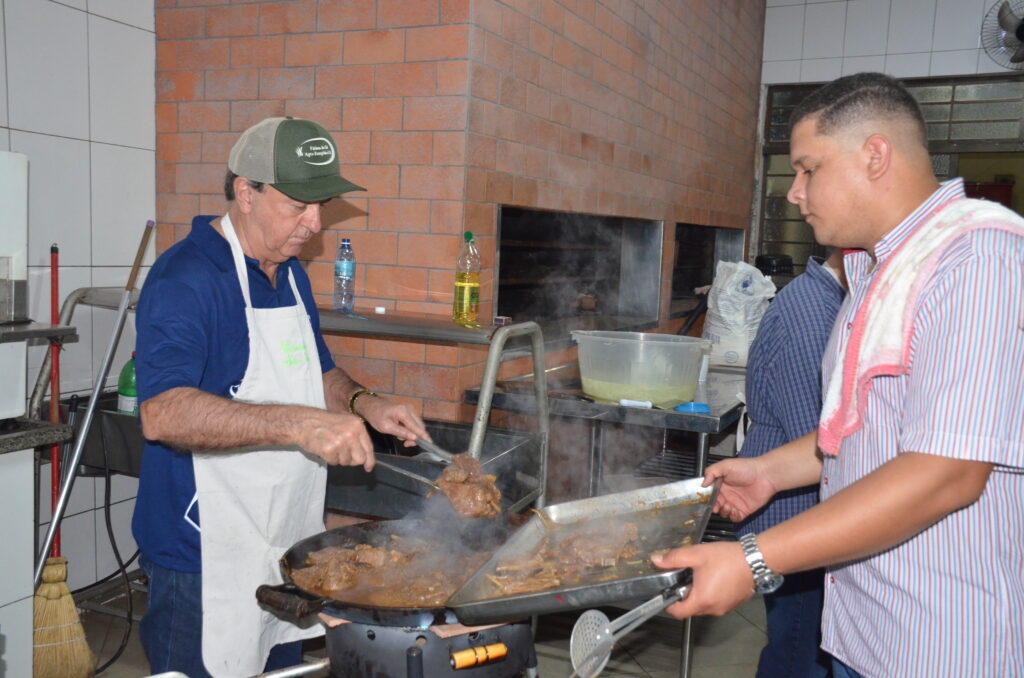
(90, 410)
(54, 393)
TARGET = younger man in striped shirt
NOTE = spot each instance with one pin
(921, 458)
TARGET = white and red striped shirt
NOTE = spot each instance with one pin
(950, 600)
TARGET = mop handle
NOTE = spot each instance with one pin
(90, 410)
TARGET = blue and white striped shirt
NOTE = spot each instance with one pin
(950, 600)
(783, 386)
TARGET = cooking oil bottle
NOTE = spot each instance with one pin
(466, 305)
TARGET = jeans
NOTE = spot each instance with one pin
(171, 631)
(841, 670)
(794, 629)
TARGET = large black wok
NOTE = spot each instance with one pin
(454, 536)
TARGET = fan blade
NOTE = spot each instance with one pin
(1007, 20)
(1018, 56)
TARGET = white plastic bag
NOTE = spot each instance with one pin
(736, 302)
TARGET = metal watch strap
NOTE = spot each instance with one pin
(765, 579)
(355, 397)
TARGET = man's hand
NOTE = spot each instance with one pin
(721, 578)
(388, 416)
(745, 487)
(339, 439)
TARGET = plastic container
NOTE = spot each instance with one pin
(127, 394)
(344, 277)
(661, 368)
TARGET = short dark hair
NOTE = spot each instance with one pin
(858, 97)
(229, 185)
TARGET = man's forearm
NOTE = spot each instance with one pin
(196, 420)
(795, 464)
(885, 508)
(338, 389)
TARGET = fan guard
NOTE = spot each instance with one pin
(1002, 34)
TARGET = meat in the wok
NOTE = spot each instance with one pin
(405, 573)
(471, 492)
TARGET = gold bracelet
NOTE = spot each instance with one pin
(355, 397)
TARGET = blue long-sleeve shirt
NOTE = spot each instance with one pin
(783, 386)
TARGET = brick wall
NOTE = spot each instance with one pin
(447, 109)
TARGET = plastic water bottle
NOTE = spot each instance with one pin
(344, 277)
(127, 394)
(466, 305)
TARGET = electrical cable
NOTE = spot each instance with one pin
(123, 568)
(110, 576)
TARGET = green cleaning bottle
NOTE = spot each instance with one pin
(127, 395)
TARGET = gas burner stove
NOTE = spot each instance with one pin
(370, 651)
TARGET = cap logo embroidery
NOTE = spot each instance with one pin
(316, 151)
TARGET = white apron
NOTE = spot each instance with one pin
(255, 504)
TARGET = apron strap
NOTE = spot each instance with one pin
(241, 269)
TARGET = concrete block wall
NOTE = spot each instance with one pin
(447, 109)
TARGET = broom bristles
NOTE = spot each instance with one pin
(59, 647)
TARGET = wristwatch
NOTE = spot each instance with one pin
(765, 581)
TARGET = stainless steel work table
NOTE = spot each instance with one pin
(720, 391)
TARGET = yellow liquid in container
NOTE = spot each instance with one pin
(466, 306)
(659, 396)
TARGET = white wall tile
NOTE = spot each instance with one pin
(783, 32)
(123, 200)
(78, 545)
(782, 3)
(957, 24)
(3, 71)
(779, 72)
(47, 71)
(133, 12)
(867, 24)
(76, 356)
(83, 493)
(16, 621)
(5, 140)
(874, 64)
(121, 90)
(987, 65)
(105, 322)
(908, 65)
(16, 532)
(122, 487)
(956, 62)
(77, 4)
(820, 70)
(56, 163)
(910, 26)
(121, 525)
(824, 27)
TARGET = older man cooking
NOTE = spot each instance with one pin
(242, 408)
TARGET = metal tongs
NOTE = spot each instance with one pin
(432, 452)
(594, 636)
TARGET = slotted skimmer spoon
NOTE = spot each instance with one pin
(594, 636)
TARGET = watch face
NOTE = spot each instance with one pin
(769, 583)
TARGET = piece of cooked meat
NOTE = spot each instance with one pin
(471, 492)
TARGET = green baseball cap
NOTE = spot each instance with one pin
(297, 157)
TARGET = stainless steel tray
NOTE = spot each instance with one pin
(666, 516)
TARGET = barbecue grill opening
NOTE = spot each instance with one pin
(578, 271)
(698, 251)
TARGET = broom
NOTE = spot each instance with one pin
(59, 647)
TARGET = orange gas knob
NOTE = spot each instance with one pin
(475, 656)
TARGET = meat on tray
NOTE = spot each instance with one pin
(406, 573)
(471, 492)
(560, 560)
